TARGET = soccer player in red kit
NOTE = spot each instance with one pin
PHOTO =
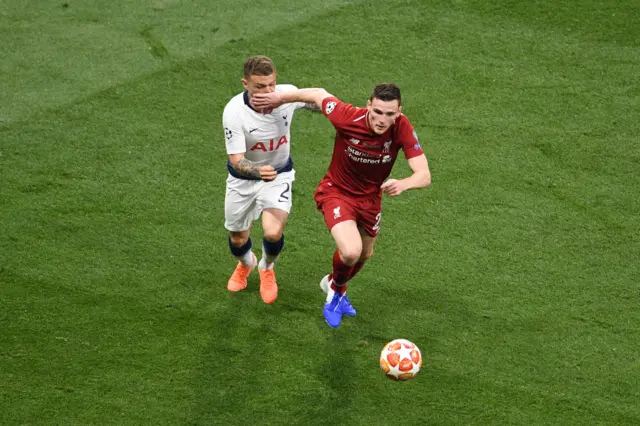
(367, 143)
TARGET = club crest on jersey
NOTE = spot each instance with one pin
(328, 109)
(336, 213)
(272, 145)
(387, 146)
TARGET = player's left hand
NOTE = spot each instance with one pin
(267, 100)
(393, 187)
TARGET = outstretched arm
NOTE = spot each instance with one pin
(275, 99)
(420, 178)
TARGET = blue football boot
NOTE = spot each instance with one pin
(333, 311)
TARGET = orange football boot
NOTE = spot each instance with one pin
(238, 280)
(268, 286)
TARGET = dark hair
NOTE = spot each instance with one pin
(258, 65)
(386, 92)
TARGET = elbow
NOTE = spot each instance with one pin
(234, 159)
(319, 95)
(426, 180)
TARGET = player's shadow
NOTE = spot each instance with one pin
(338, 371)
(244, 378)
(229, 363)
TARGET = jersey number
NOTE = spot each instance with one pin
(376, 227)
(285, 196)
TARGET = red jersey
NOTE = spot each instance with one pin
(362, 159)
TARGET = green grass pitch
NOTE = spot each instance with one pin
(516, 273)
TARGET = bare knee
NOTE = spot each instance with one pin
(348, 240)
(273, 223)
(350, 255)
(238, 239)
(273, 234)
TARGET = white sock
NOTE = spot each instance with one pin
(330, 294)
(267, 260)
(264, 265)
(246, 259)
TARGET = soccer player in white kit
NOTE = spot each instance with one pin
(261, 175)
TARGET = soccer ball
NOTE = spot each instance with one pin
(400, 360)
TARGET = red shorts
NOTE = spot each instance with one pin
(336, 206)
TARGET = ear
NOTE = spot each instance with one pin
(399, 111)
(245, 84)
(369, 104)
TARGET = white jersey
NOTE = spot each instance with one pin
(265, 139)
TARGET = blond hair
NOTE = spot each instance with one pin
(258, 65)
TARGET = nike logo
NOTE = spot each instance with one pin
(253, 130)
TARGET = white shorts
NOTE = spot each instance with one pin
(246, 199)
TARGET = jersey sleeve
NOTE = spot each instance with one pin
(233, 132)
(340, 114)
(408, 138)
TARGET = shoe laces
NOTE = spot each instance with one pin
(335, 302)
(269, 275)
(243, 271)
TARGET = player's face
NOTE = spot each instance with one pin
(382, 114)
(259, 84)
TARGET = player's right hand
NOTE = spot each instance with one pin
(267, 173)
(393, 187)
(267, 100)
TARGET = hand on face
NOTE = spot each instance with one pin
(260, 84)
(259, 106)
(266, 100)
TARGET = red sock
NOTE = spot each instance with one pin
(356, 268)
(340, 274)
